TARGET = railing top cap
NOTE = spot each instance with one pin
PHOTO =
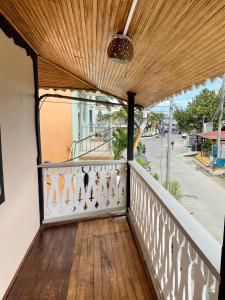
(206, 246)
(81, 163)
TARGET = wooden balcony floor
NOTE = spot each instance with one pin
(92, 260)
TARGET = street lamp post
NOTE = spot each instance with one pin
(168, 156)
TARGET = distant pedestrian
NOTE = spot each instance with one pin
(172, 144)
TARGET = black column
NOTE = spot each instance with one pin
(38, 139)
(222, 270)
(130, 140)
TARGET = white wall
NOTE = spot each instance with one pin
(19, 214)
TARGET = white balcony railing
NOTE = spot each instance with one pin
(85, 188)
(182, 257)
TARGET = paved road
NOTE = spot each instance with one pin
(203, 196)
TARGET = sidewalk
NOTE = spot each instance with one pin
(207, 171)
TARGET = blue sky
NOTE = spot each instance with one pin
(182, 100)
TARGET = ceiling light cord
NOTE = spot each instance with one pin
(129, 18)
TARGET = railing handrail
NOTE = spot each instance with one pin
(82, 163)
(206, 246)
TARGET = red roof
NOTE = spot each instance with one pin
(212, 135)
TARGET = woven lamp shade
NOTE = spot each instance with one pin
(120, 49)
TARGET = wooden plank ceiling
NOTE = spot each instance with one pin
(52, 76)
(176, 43)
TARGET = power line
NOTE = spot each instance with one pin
(104, 102)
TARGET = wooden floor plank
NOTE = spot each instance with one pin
(72, 290)
(90, 229)
(139, 267)
(39, 270)
(22, 280)
(112, 270)
(52, 268)
(22, 277)
(85, 230)
(125, 268)
(119, 272)
(93, 260)
(60, 262)
(97, 270)
(81, 285)
(105, 270)
(89, 295)
(43, 264)
(63, 290)
(133, 271)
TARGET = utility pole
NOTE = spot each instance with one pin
(222, 94)
(130, 141)
(168, 156)
(203, 122)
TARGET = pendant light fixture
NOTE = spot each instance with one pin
(120, 49)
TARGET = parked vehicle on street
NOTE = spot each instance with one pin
(184, 135)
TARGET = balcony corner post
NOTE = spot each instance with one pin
(222, 269)
(130, 140)
(38, 140)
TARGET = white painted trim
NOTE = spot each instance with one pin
(144, 254)
(207, 247)
(82, 163)
(92, 215)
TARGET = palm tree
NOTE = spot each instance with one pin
(119, 142)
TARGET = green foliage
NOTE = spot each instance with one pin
(207, 146)
(119, 142)
(139, 161)
(116, 117)
(156, 176)
(154, 117)
(141, 147)
(204, 107)
(175, 190)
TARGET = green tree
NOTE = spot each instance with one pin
(155, 116)
(203, 108)
(119, 142)
(207, 147)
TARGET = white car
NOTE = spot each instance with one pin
(184, 135)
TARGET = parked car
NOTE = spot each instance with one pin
(184, 135)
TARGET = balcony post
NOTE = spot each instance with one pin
(130, 139)
(222, 270)
(38, 139)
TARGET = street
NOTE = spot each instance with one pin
(203, 196)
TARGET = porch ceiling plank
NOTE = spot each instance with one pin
(50, 75)
(176, 43)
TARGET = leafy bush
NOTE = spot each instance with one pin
(156, 176)
(139, 161)
(119, 142)
(141, 147)
(207, 146)
(175, 190)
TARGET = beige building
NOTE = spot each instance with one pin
(56, 127)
